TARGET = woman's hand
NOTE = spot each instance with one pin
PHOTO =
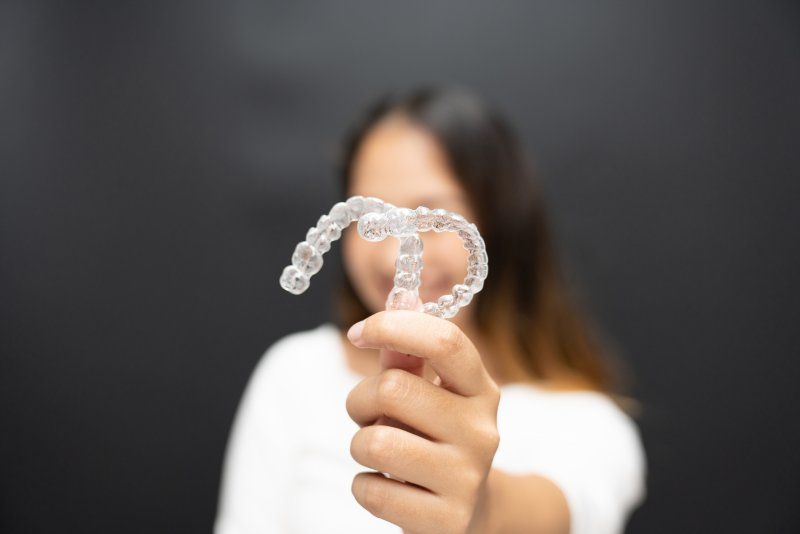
(448, 439)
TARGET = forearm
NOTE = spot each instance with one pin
(527, 503)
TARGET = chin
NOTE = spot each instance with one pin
(376, 303)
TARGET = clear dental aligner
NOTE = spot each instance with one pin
(376, 221)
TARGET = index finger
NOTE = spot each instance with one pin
(446, 348)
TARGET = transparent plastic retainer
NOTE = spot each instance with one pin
(376, 221)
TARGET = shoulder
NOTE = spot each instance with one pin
(322, 336)
(294, 356)
(301, 348)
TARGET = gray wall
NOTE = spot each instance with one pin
(158, 162)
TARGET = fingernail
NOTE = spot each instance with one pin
(354, 334)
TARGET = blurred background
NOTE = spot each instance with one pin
(160, 160)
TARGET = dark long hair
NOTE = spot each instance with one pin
(525, 306)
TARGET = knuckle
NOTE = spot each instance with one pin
(490, 438)
(379, 445)
(495, 440)
(350, 403)
(484, 438)
(461, 519)
(494, 392)
(355, 445)
(468, 481)
(474, 478)
(450, 338)
(392, 388)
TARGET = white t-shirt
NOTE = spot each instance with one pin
(288, 467)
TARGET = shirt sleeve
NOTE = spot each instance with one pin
(586, 446)
(257, 460)
(601, 471)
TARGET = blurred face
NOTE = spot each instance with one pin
(401, 163)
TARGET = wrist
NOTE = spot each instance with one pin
(487, 519)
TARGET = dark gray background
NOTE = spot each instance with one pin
(158, 162)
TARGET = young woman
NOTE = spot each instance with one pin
(502, 422)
